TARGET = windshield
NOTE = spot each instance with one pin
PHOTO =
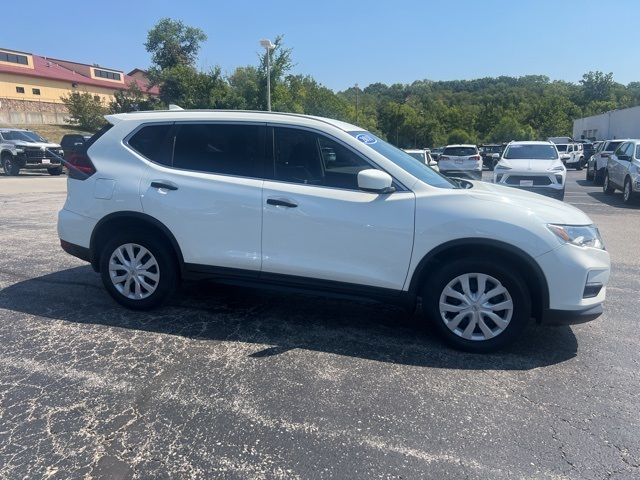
(611, 146)
(530, 152)
(35, 137)
(459, 151)
(405, 161)
(18, 135)
(562, 148)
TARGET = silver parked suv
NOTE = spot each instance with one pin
(623, 171)
(24, 149)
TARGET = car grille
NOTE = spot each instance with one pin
(37, 153)
(537, 180)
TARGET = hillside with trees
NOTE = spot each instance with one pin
(423, 113)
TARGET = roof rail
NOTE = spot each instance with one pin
(173, 106)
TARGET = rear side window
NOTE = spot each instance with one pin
(611, 146)
(460, 151)
(154, 142)
(227, 149)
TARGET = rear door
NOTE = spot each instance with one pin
(205, 188)
(318, 225)
(619, 163)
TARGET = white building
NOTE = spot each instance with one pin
(623, 123)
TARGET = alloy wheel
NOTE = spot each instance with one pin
(476, 306)
(134, 271)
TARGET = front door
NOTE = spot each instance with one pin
(207, 192)
(318, 225)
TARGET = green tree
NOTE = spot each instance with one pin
(85, 111)
(132, 99)
(459, 136)
(171, 43)
(597, 86)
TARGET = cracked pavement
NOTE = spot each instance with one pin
(233, 383)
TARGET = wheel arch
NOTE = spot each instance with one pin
(126, 219)
(486, 248)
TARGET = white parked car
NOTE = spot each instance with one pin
(571, 155)
(317, 204)
(534, 166)
(423, 156)
(461, 161)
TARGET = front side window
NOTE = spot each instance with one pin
(227, 149)
(611, 146)
(301, 156)
(530, 152)
(403, 160)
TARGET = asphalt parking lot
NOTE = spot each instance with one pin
(228, 382)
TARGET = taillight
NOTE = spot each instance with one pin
(80, 166)
(442, 157)
(475, 157)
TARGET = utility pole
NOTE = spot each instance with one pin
(357, 102)
(268, 46)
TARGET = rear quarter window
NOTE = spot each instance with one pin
(154, 142)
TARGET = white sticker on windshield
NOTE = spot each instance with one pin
(366, 138)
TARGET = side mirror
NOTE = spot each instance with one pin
(377, 181)
(495, 156)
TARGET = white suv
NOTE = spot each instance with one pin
(317, 204)
(534, 166)
(461, 161)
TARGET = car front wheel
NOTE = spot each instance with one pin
(55, 171)
(139, 271)
(477, 305)
(9, 166)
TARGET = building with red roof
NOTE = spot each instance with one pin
(34, 83)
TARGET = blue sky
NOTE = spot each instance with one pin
(343, 42)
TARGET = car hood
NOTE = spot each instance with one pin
(22, 143)
(530, 165)
(546, 210)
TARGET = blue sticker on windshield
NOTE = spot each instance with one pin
(365, 138)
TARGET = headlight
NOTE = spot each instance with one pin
(581, 236)
(20, 150)
(558, 168)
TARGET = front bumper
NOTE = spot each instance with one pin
(570, 317)
(569, 270)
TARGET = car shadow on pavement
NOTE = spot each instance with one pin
(278, 322)
(614, 200)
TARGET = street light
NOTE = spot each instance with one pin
(268, 46)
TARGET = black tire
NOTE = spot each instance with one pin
(590, 175)
(607, 188)
(55, 171)
(579, 166)
(9, 166)
(508, 277)
(167, 266)
(628, 195)
(598, 176)
(561, 196)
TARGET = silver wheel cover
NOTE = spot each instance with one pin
(476, 306)
(134, 271)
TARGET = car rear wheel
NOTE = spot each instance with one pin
(477, 305)
(9, 166)
(138, 271)
(607, 188)
(627, 193)
(598, 175)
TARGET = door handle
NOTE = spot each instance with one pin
(165, 185)
(281, 203)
